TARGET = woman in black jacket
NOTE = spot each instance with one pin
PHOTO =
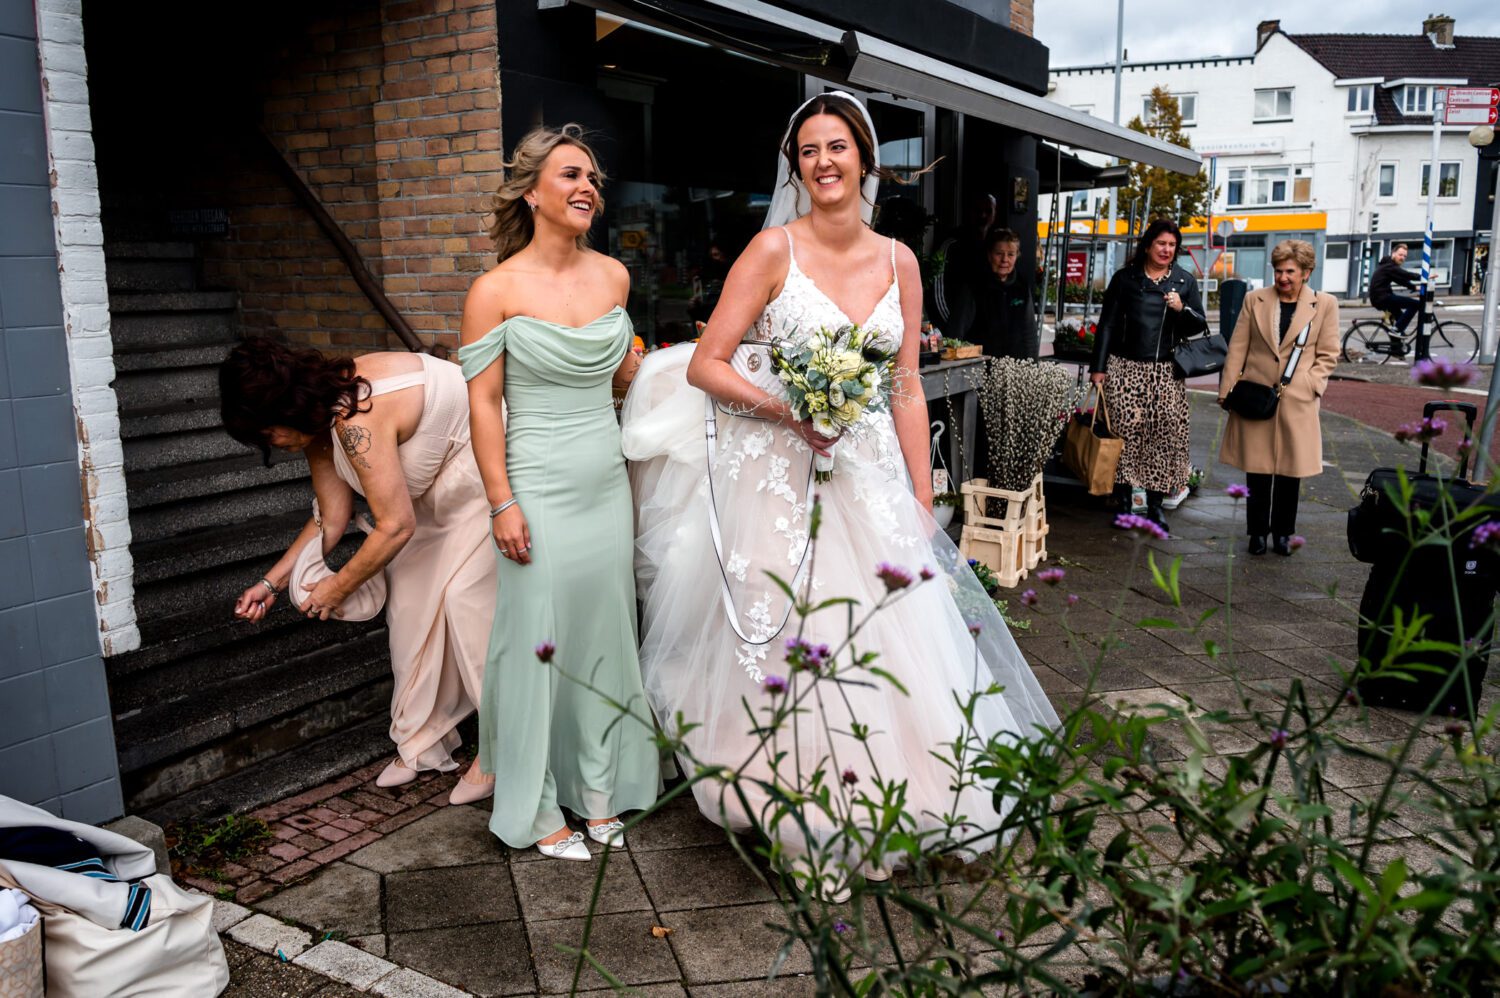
(1149, 305)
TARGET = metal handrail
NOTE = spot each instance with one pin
(341, 242)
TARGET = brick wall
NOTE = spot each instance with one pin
(390, 112)
(1022, 16)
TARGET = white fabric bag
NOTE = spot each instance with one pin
(176, 955)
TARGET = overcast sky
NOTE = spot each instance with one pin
(1082, 32)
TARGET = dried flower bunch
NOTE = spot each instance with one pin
(1025, 405)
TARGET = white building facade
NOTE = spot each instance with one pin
(1322, 137)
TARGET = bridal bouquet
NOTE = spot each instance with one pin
(833, 378)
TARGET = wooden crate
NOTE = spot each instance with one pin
(962, 353)
(1011, 544)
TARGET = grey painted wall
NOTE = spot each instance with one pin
(57, 746)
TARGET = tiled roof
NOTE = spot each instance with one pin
(1473, 59)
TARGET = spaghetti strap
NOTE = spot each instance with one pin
(893, 258)
(395, 383)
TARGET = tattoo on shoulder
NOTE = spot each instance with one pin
(356, 442)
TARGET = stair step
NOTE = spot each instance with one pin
(158, 359)
(177, 516)
(163, 730)
(155, 330)
(147, 250)
(205, 597)
(185, 447)
(234, 644)
(217, 545)
(263, 779)
(172, 301)
(173, 417)
(212, 478)
(150, 274)
(235, 649)
(185, 384)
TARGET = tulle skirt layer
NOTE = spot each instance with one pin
(699, 671)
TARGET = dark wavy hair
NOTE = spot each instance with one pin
(263, 383)
(1155, 229)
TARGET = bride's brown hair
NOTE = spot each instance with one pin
(513, 226)
(849, 112)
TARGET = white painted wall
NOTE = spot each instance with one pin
(80, 256)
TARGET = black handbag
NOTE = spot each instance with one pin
(1253, 400)
(1200, 355)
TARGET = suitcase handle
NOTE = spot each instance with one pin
(1470, 411)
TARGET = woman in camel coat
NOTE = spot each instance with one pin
(1277, 453)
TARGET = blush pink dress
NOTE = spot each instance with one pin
(441, 586)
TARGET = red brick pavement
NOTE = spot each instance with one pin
(322, 825)
(1389, 406)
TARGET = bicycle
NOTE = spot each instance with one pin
(1375, 341)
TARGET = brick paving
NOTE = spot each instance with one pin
(402, 877)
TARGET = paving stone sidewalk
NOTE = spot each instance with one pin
(395, 893)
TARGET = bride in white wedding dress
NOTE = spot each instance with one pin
(715, 625)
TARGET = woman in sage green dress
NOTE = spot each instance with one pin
(546, 332)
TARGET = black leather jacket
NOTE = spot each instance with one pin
(1136, 323)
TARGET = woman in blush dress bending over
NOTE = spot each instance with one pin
(546, 331)
(817, 265)
(394, 428)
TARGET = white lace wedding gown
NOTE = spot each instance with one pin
(695, 666)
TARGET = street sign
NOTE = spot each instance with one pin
(1471, 106)
(1471, 115)
(1470, 96)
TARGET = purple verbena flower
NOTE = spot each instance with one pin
(849, 778)
(546, 650)
(802, 655)
(999, 935)
(775, 685)
(975, 627)
(1052, 576)
(1486, 535)
(1238, 490)
(1296, 541)
(1134, 521)
(1442, 373)
(1029, 598)
(1072, 599)
(1279, 738)
(1426, 431)
(894, 576)
(840, 926)
(926, 574)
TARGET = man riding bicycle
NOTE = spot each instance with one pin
(1402, 307)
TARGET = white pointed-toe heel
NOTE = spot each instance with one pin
(571, 847)
(611, 833)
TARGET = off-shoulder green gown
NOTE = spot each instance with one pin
(541, 734)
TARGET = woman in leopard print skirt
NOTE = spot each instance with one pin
(1150, 304)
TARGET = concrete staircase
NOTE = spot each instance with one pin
(213, 715)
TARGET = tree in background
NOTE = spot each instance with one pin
(1165, 187)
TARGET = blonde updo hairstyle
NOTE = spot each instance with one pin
(513, 226)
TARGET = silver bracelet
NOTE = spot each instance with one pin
(270, 588)
(507, 504)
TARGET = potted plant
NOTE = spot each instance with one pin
(1075, 338)
(943, 506)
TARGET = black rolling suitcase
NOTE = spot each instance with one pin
(1423, 580)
